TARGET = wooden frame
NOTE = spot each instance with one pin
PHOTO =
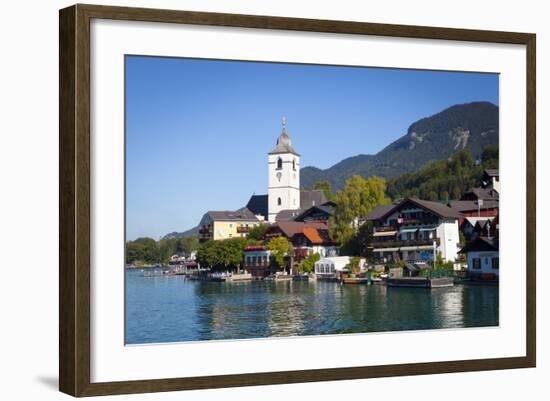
(74, 200)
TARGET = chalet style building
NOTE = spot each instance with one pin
(306, 238)
(414, 230)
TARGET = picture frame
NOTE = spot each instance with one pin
(75, 199)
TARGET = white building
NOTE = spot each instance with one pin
(284, 177)
(331, 265)
(483, 257)
(414, 230)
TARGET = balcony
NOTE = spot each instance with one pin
(417, 222)
(206, 229)
(243, 229)
(398, 244)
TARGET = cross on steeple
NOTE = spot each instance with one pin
(284, 123)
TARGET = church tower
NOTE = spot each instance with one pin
(284, 176)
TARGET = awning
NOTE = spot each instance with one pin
(384, 234)
(385, 249)
(409, 230)
(428, 229)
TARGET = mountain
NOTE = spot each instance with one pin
(472, 126)
(188, 233)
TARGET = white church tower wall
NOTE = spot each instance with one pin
(284, 176)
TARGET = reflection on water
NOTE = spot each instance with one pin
(171, 308)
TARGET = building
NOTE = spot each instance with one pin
(475, 208)
(414, 230)
(330, 266)
(257, 261)
(217, 225)
(473, 227)
(485, 194)
(284, 200)
(317, 213)
(306, 238)
(491, 179)
(284, 176)
(483, 258)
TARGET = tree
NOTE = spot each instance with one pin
(257, 233)
(308, 264)
(186, 245)
(444, 179)
(489, 156)
(279, 247)
(354, 264)
(325, 187)
(221, 254)
(358, 243)
(355, 201)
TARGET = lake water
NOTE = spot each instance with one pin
(172, 308)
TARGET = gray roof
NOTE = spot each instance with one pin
(239, 215)
(492, 172)
(288, 215)
(439, 209)
(312, 197)
(379, 211)
(481, 244)
(327, 208)
(257, 204)
(481, 193)
(284, 145)
(469, 205)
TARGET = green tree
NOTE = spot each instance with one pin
(355, 201)
(221, 254)
(354, 264)
(326, 188)
(489, 156)
(308, 264)
(358, 243)
(279, 247)
(444, 180)
(186, 245)
(257, 233)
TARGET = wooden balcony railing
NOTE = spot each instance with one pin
(399, 243)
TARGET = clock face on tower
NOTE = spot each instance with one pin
(279, 175)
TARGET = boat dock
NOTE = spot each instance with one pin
(420, 282)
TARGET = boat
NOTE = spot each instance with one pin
(355, 280)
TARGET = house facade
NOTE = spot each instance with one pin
(257, 261)
(306, 238)
(483, 258)
(414, 230)
(218, 225)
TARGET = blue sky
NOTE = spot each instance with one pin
(198, 131)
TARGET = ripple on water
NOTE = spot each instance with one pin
(168, 309)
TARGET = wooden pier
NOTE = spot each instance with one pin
(420, 282)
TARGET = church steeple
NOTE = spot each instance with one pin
(284, 144)
(284, 176)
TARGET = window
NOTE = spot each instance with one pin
(294, 164)
(279, 202)
(279, 164)
(476, 262)
(494, 263)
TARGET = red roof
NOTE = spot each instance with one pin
(312, 234)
